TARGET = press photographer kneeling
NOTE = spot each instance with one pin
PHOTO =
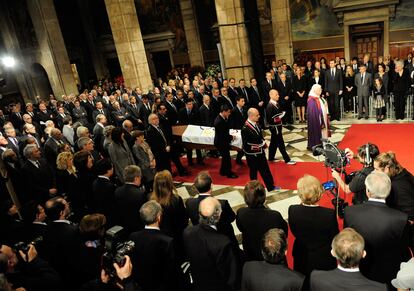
(355, 182)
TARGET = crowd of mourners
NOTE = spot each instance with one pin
(77, 166)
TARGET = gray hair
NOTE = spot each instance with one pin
(274, 245)
(150, 211)
(28, 150)
(378, 184)
(211, 215)
(83, 141)
(131, 172)
(107, 130)
(81, 130)
(99, 117)
(399, 64)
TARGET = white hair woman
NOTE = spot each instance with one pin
(318, 123)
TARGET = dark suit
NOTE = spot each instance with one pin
(226, 101)
(96, 112)
(128, 200)
(385, 231)
(51, 150)
(313, 228)
(262, 276)
(266, 87)
(253, 147)
(98, 137)
(206, 115)
(340, 280)
(144, 112)
(243, 92)
(233, 94)
(89, 107)
(227, 216)
(133, 115)
(158, 143)
(222, 140)
(17, 120)
(38, 181)
(172, 112)
(119, 116)
(333, 84)
(285, 90)
(154, 261)
(103, 196)
(256, 96)
(253, 224)
(212, 259)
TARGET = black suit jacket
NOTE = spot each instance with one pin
(96, 112)
(206, 115)
(266, 87)
(172, 114)
(16, 121)
(244, 93)
(227, 216)
(38, 181)
(212, 259)
(233, 94)
(255, 97)
(311, 251)
(224, 101)
(340, 280)
(262, 276)
(237, 118)
(385, 231)
(333, 84)
(103, 197)
(128, 200)
(185, 118)
(222, 138)
(144, 113)
(253, 224)
(98, 137)
(154, 260)
(158, 145)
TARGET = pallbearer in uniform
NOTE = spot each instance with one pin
(274, 116)
(254, 146)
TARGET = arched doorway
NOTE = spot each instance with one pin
(40, 81)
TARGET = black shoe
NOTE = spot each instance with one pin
(366, 117)
(232, 176)
(359, 117)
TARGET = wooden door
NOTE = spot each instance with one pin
(368, 45)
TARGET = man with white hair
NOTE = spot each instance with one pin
(401, 83)
(210, 253)
(384, 229)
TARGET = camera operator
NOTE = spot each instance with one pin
(124, 275)
(357, 184)
(27, 270)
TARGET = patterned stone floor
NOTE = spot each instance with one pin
(295, 137)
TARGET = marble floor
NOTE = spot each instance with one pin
(295, 137)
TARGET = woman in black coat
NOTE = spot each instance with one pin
(84, 165)
(256, 219)
(299, 86)
(314, 227)
(349, 89)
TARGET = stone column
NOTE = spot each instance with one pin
(97, 58)
(53, 57)
(282, 30)
(195, 49)
(233, 39)
(129, 44)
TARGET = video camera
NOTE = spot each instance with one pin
(335, 158)
(337, 202)
(116, 248)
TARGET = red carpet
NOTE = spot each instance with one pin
(398, 138)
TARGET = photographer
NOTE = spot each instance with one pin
(357, 184)
(125, 281)
(27, 270)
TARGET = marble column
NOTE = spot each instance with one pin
(233, 39)
(282, 30)
(195, 50)
(129, 43)
(53, 54)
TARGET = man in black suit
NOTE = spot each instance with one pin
(119, 114)
(60, 117)
(222, 140)
(129, 198)
(232, 90)
(211, 254)
(272, 274)
(268, 84)
(348, 249)
(98, 132)
(285, 93)
(16, 117)
(333, 87)
(89, 105)
(384, 229)
(368, 64)
(99, 110)
(52, 144)
(13, 141)
(225, 99)
(62, 241)
(34, 216)
(203, 183)
(144, 110)
(242, 90)
(38, 177)
(133, 110)
(206, 112)
(253, 147)
(103, 190)
(238, 117)
(43, 115)
(189, 115)
(154, 258)
(172, 110)
(256, 99)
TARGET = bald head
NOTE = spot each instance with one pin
(274, 95)
(253, 114)
(209, 211)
